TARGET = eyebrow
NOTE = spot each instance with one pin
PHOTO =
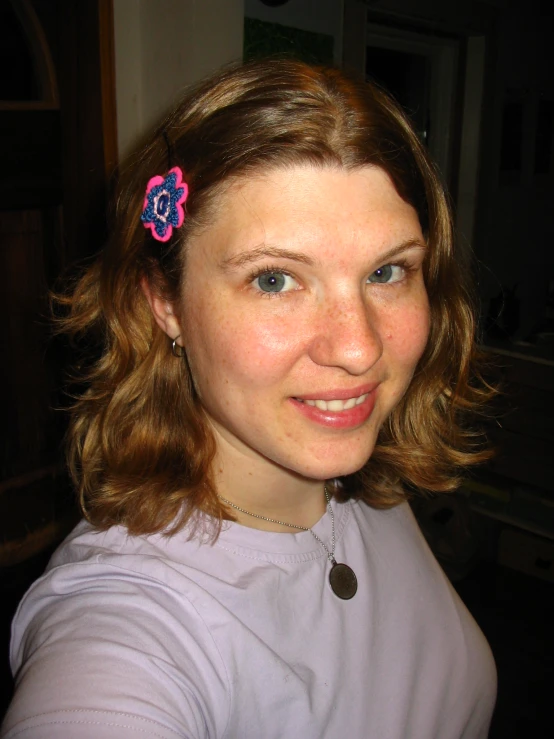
(253, 255)
(264, 251)
(404, 246)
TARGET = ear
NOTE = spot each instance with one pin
(162, 310)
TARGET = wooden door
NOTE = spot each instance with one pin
(57, 154)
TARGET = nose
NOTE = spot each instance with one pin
(347, 335)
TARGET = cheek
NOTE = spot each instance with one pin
(408, 332)
(224, 344)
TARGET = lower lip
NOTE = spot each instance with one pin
(347, 419)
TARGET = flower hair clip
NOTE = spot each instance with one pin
(163, 204)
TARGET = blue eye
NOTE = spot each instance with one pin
(387, 273)
(274, 282)
(271, 282)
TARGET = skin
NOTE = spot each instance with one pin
(337, 326)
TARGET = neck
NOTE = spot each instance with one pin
(272, 521)
(267, 490)
(254, 511)
(262, 487)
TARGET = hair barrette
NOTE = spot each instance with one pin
(163, 204)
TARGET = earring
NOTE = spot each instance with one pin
(176, 350)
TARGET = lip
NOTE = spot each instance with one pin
(339, 393)
(348, 419)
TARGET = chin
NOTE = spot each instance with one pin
(345, 464)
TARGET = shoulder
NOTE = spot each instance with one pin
(398, 554)
(391, 526)
(111, 611)
(131, 580)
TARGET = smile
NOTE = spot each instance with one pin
(335, 406)
(339, 409)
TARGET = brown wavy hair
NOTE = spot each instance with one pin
(140, 447)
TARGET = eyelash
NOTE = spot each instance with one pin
(404, 265)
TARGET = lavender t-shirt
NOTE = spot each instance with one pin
(244, 639)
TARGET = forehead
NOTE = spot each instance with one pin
(308, 207)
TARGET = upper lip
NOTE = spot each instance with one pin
(339, 393)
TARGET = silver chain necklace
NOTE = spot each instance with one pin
(342, 578)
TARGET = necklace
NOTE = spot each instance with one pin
(342, 578)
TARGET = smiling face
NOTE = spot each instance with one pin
(303, 316)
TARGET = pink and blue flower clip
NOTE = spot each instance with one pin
(163, 204)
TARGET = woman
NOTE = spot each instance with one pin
(287, 350)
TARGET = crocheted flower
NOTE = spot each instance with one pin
(163, 204)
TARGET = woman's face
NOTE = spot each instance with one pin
(303, 316)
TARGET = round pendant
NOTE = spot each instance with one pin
(343, 581)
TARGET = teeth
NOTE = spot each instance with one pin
(336, 405)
